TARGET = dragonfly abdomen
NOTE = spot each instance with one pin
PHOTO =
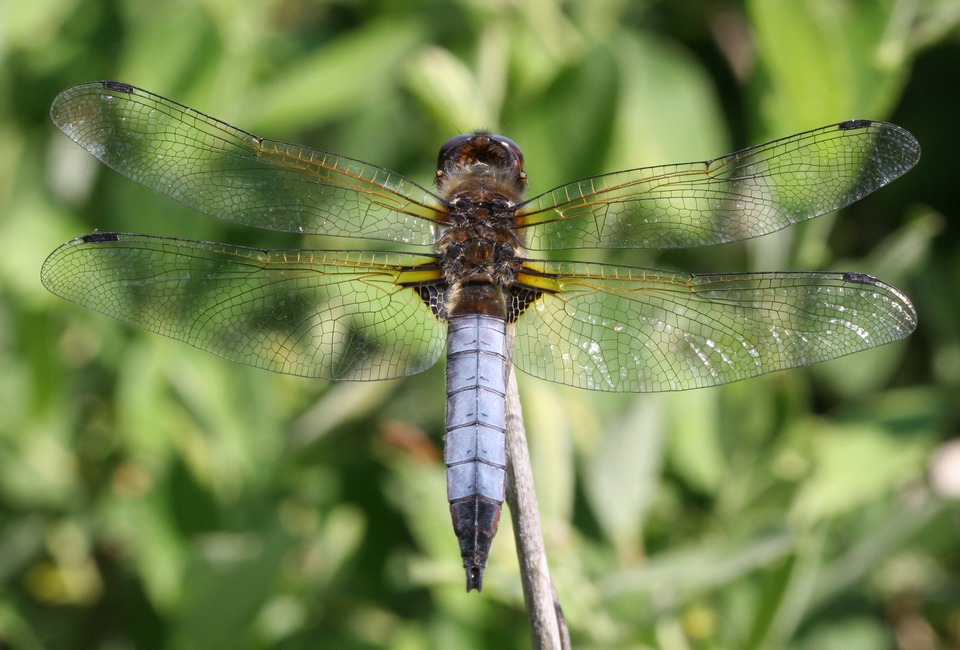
(475, 450)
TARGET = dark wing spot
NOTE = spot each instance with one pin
(99, 237)
(434, 295)
(119, 86)
(850, 125)
(860, 278)
(520, 299)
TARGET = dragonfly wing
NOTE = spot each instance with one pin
(329, 315)
(742, 195)
(227, 173)
(625, 329)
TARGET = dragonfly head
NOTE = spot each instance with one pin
(481, 154)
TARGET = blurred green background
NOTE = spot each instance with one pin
(154, 496)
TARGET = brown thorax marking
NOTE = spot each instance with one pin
(481, 178)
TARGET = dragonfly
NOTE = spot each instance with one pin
(468, 287)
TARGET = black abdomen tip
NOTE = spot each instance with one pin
(474, 578)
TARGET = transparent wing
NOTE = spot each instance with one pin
(330, 315)
(742, 195)
(624, 329)
(227, 173)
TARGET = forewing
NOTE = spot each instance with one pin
(742, 195)
(329, 315)
(227, 173)
(624, 329)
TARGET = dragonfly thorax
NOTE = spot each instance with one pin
(479, 253)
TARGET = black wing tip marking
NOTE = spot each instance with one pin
(118, 86)
(100, 237)
(909, 311)
(860, 278)
(851, 125)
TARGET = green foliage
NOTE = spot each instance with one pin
(153, 496)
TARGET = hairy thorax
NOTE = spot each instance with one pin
(480, 177)
(480, 252)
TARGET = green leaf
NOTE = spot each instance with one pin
(225, 585)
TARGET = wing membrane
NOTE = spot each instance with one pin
(330, 315)
(227, 173)
(625, 329)
(742, 195)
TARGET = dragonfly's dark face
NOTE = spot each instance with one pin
(487, 157)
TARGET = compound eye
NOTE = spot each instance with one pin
(515, 152)
(452, 147)
(480, 149)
